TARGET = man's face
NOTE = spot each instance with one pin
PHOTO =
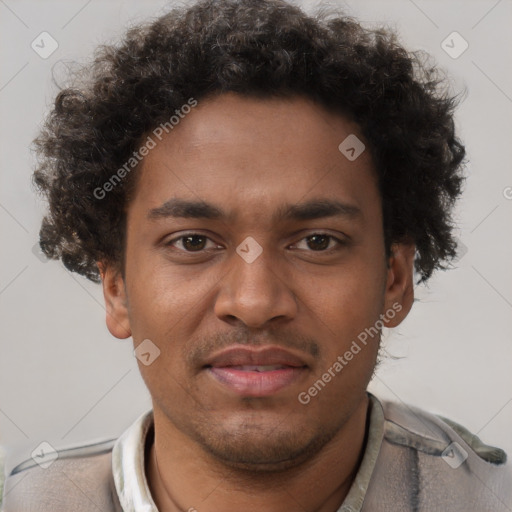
(196, 286)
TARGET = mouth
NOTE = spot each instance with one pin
(256, 372)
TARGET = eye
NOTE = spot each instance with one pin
(197, 242)
(320, 242)
(191, 242)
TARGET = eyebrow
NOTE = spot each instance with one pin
(310, 210)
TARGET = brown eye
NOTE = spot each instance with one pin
(321, 243)
(191, 242)
(194, 242)
(318, 242)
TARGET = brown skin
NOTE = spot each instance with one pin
(217, 450)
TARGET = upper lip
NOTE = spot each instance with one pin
(240, 356)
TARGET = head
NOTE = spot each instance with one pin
(242, 174)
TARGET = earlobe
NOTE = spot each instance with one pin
(114, 292)
(399, 293)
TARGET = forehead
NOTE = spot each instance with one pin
(251, 156)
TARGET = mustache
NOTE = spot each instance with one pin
(197, 353)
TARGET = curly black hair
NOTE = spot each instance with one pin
(264, 49)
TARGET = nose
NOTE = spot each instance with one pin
(255, 292)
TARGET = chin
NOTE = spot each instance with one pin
(259, 449)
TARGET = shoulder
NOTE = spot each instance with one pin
(443, 466)
(429, 433)
(77, 478)
(428, 428)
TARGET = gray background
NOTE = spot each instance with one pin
(65, 379)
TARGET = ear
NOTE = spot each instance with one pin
(114, 292)
(399, 293)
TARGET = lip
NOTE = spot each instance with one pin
(261, 356)
(224, 367)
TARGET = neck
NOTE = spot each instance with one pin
(181, 476)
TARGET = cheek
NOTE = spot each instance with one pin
(159, 296)
(345, 314)
(168, 307)
(160, 311)
(348, 297)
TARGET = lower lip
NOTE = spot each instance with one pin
(252, 383)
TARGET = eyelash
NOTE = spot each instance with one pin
(340, 242)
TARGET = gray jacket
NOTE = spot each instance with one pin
(424, 464)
